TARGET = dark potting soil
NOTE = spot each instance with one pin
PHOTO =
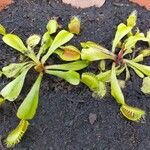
(62, 120)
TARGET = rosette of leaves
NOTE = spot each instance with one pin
(37, 50)
(124, 55)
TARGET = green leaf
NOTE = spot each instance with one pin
(2, 30)
(115, 88)
(132, 113)
(93, 54)
(102, 65)
(33, 40)
(70, 76)
(74, 25)
(132, 40)
(52, 26)
(13, 69)
(89, 44)
(122, 30)
(143, 68)
(104, 76)
(78, 65)
(28, 108)
(138, 72)
(12, 90)
(68, 53)
(61, 38)
(45, 44)
(145, 52)
(146, 85)
(127, 73)
(131, 21)
(15, 42)
(139, 58)
(148, 37)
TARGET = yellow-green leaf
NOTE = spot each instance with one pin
(148, 36)
(115, 88)
(28, 108)
(143, 68)
(127, 73)
(93, 54)
(13, 69)
(122, 30)
(102, 65)
(70, 76)
(61, 38)
(145, 52)
(146, 85)
(45, 44)
(139, 58)
(132, 40)
(131, 21)
(2, 30)
(12, 90)
(15, 42)
(78, 65)
(138, 72)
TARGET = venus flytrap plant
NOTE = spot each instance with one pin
(124, 44)
(47, 45)
(52, 43)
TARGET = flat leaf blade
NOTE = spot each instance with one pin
(28, 108)
(122, 30)
(70, 76)
(12, 90)
(116, 91)
(15, 42)
(61, 38)
(78, 65)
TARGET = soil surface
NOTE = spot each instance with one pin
(64, 117)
